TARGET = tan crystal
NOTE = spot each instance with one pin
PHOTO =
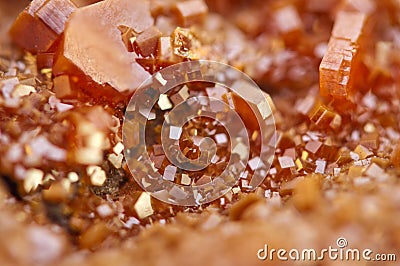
(93, 42)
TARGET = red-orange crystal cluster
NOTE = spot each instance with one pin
(331, 67)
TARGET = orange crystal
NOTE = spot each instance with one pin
(93, 42)
(40, 24)
(147, 41)
(31, 33)
(339, 65)
(55, 14)
(62, 87)
(191, 12)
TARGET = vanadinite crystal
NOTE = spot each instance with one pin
(39, 26)
(340, 65)
(69, 67)
(93, 42)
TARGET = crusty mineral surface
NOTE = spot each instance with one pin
(68, 69)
